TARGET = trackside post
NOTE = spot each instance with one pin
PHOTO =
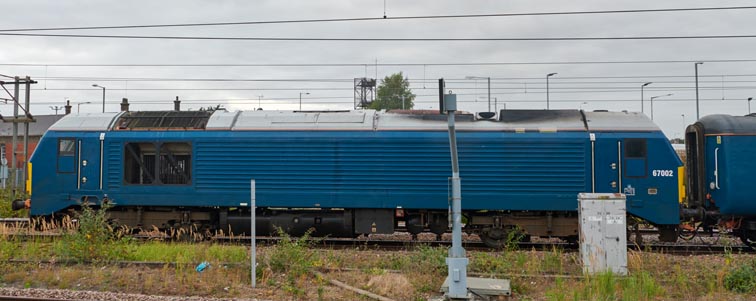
(252, 232)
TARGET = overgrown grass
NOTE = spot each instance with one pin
(742, 279)
(5, 205)
(92, 238)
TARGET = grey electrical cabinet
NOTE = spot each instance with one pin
(603, 232)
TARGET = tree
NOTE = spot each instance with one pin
(393, 93)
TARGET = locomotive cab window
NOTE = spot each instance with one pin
(636, 153)
(66, 155)
(157, 164)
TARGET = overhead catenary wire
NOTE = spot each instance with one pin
(363, 39)
(454, 80)
(384, 64)
(429, 99)
(386, 18)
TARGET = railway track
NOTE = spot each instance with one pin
(21, 298)
(10, 221)
(406, 244)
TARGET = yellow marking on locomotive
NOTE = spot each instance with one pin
(681, 183)
(28, 179)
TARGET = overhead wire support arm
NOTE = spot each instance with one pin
(15, 101)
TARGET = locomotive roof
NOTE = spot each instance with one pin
(510, 120)
(727, 124)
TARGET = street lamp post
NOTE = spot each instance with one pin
(652, 103)
(749, 105)
(300, 98)
(489, 87)
(78, 106)
(103, 95)
(698, 115)
(642, 86)
(547, 89)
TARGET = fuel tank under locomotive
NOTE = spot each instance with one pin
(337, 223)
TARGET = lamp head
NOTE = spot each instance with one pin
(646, 84)
(749, 98)
(551, 74)
(96, 85)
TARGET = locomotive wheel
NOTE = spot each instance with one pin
(748, 238)
(502, 237)
(415, 225)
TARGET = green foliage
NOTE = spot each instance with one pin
(390, 93)
(742, 279)
(490, 263)
(94, 239)
(5, 206)
(428, 259)
(608, 286)
(291, 256)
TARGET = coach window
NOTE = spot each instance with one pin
(175, 163)
(636, 152)
(139, 163)
(66, 152)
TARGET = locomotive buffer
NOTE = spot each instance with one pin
(457, 285)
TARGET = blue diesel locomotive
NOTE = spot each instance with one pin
(346, 173)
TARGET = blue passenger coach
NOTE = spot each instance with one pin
(355, 172)
(721, 163)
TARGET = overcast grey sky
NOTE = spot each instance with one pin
(724, 87)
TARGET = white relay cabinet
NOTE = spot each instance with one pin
(603, 232)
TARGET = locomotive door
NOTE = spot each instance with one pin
(89, 170)
(607, 155)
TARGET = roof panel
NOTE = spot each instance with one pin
(222, 120)
(619, 121)
(85, 122)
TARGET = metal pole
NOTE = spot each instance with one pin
(26, 130)
(547, 92)
(103, 99)
(300, 101)
(642, 86)
(698, 116)
(489, 94)
(547, 89)
(253, 232)
(457, 262)
(14, 158)
(749, 105)
(652, 108)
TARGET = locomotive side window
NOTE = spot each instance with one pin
(635, 148)
(139, 164)
(636, 164)
(175, 163)
(157, 164)
(66, 151)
